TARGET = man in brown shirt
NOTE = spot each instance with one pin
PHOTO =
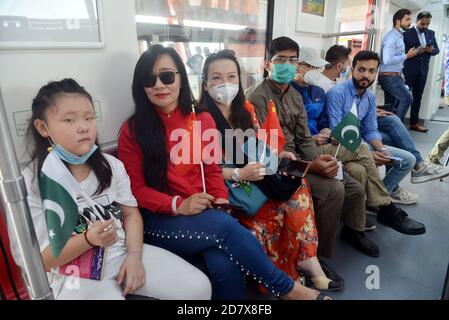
(331, 196)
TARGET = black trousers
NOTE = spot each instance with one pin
(416, 83)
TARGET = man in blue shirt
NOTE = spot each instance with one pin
(416, 69)
(393, 55)
(353, 96)
(314, 99)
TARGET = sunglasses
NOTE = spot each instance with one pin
(166, 77)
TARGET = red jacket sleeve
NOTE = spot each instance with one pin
(149, 198)
(214, 183)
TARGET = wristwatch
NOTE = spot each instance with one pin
(235, 175)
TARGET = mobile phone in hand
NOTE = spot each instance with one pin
(297, 168)
(226, 206)
(395, 159)
(386, 107)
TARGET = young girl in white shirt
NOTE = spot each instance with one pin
(63, 123)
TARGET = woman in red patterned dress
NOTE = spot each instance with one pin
(286, 229)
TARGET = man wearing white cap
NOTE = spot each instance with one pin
(313, 96)
(337, 68)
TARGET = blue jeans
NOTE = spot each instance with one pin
(395, 134)
(396, 94)
(399, 170)
(229, 250)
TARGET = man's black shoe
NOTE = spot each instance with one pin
(360, 241)
(331, 274)
(372, 210)
(369, 226)
(400, 221)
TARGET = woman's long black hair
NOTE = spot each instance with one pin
(145, 124)
(240, 117)
(38, 145)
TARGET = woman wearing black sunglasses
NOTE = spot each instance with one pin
(177, 214)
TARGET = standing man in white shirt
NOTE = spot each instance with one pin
(393, 56)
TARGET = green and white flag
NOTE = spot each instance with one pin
(347, 132)
(354, 109)
(59, 190)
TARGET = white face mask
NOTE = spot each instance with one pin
(312, 77)
(316, 78)
(224, 93)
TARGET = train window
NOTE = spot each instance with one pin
(196, 28)
(50, 23)
(356, 16)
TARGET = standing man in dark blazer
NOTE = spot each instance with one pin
(416, 69)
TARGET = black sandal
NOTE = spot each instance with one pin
(318, 282)
(322, 296)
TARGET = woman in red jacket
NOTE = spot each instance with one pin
(177, 213)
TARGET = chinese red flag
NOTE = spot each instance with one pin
(273, 128)
(250, 108)
(184, 167)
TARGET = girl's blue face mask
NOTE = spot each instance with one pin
(68, 156)
(71, 158)
(283, 72)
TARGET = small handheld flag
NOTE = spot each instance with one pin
(347, 132)
(183, 168)
(275, 135)
(250, 108)
(58, 190)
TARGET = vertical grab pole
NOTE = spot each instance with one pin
(13, 195)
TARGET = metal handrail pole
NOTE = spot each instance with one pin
(13, 195)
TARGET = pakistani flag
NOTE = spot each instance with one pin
(347, 133)
(58, 190)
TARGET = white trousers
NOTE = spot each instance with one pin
(167, 277)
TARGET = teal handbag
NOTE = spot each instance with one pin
(247, 195)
